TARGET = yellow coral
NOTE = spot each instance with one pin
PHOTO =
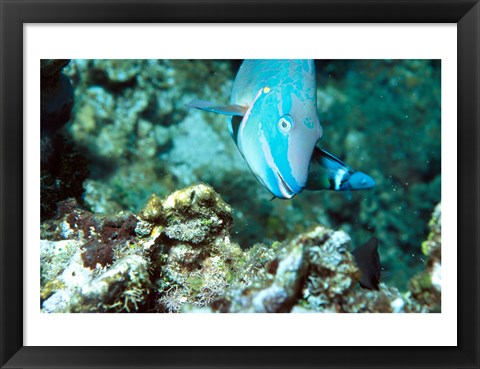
(152, 212)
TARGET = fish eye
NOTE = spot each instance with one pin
(285, 123)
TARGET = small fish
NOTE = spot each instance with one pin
(368, 261)
(330, 173)
(275, 125)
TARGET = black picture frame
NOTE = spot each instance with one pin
(14, 13)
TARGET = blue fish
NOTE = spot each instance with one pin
(274, 123)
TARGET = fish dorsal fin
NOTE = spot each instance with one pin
(232, 110)
(329, 160)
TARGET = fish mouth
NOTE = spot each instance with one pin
(285, 189)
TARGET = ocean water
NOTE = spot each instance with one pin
(130, 135)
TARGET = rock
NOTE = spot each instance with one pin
(313, 272)
(314, 267)
(279, 287)
(124, 287)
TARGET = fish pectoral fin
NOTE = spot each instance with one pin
(232, 110)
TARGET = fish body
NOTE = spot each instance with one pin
(368, 261)
(329, 172)
(279, 130)
(274, 123)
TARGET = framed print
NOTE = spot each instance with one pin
(239, 185)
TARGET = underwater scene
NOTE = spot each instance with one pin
(185, 186)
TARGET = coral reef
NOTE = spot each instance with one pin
(175, 251)
(426, 287)
(129, 136)
(176, 255)
(123, 287)
(131, 122)
(313, 272)
(92, 263)
(195, 259)
(400, 99)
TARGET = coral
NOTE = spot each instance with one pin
(401, 99)
(195, 259)
(93, 262)
(426, 286)
(196, 214)
(123, 287)
(202, 150)
(152, 211)
(282, 282)
(130, 113)
(314, 267)
(176, 251)
(313, 272)
(333, 273)
(55, 256)
(61, 273)
(176, 255)
(385, 300)
(130, 121)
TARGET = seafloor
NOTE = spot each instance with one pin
(147, 206)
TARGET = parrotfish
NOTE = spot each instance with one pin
(274, 123)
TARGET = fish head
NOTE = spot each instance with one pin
(277, 140)
(358, 181)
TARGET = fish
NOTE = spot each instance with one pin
(368, 261)
(330, 173)
(273, 120)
